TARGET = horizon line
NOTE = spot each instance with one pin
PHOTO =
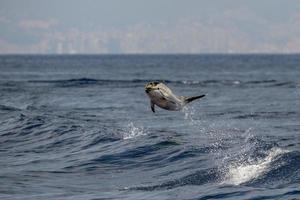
(143, 54)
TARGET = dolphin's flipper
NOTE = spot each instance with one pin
(189, 99)
(152, 107)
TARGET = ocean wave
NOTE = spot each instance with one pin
(268, 115)
(197, 178)
(203, 83)
(8, 108)
(135, 157)
(269, 171)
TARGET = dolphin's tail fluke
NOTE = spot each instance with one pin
(190, 99)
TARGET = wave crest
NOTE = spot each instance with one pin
(239, 173)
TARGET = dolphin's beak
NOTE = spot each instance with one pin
(148, 89)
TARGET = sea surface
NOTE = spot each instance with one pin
(80, 127)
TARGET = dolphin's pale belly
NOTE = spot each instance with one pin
(172, 103)
(168, 104)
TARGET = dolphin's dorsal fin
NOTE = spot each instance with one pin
(152, 106)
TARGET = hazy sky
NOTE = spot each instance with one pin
(152, 26)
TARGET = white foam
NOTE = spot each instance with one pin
(236, 82)
(240, 173)
(133, 131)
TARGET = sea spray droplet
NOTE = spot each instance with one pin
(189, 114)
(133, 131)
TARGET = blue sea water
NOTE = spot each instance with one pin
(81, 127)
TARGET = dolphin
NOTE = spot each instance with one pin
(163, 97)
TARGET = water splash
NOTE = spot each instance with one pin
(133, 131)
(189, 114)
(239, 173)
